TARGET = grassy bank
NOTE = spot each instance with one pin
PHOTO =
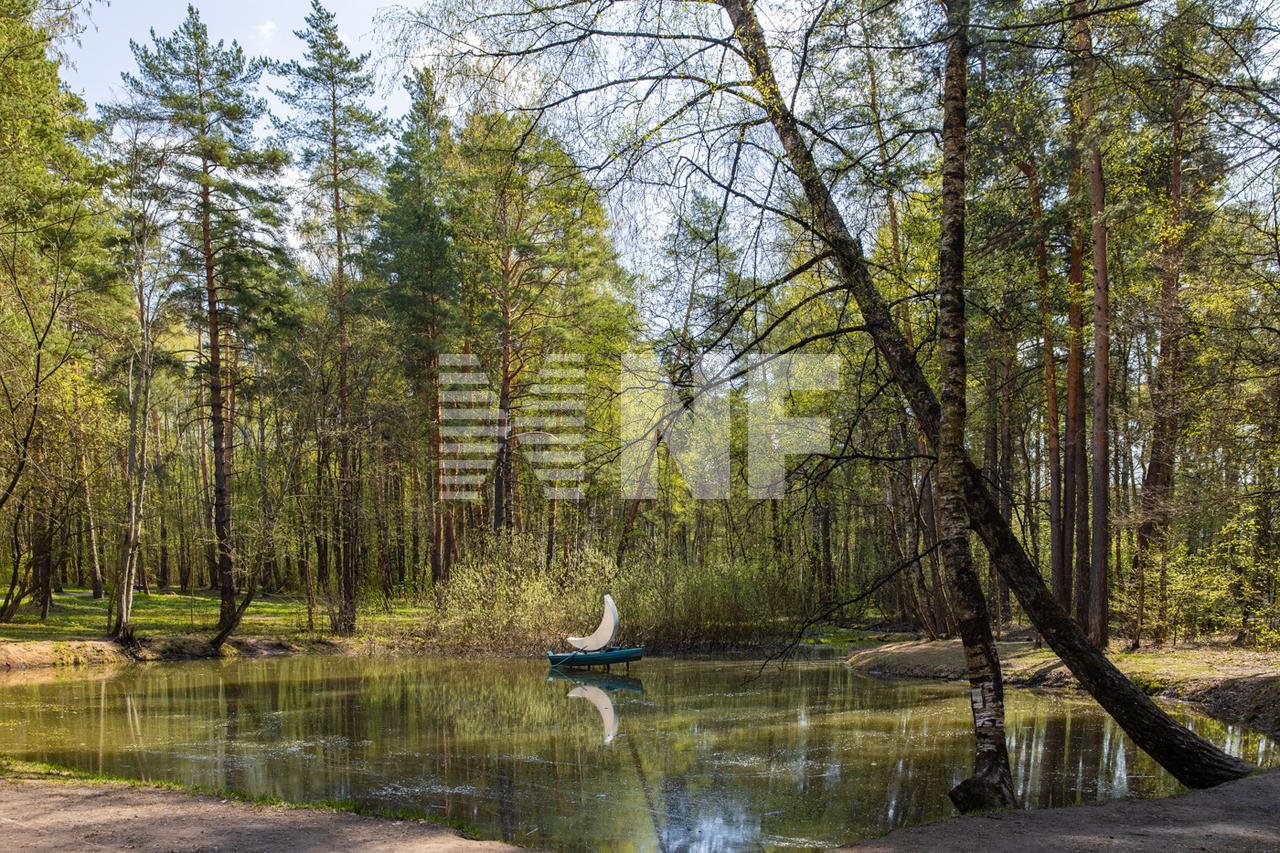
(500, 599)
(1229, 683)
(479, 615)
(177, 625)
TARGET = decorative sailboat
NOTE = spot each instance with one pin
(596, 648)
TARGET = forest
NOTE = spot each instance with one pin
(265, 345)
(228, 329)
(222, 326)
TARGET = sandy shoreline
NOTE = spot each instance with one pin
(1237, 816)
(95, 817)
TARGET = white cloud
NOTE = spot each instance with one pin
(265, 32)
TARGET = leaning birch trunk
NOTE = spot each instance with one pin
(1192, 760)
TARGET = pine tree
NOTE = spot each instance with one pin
(336, 135)
(415, 254)
(201, 95)
(530, 231)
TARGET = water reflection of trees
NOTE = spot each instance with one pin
(814, 754)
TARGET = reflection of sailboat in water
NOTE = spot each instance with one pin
(603, 680)
(596, 689)
(599, 698)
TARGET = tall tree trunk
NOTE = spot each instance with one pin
(136, 463)
(42, 554)
(1157, 484)
(944, 621)
(135, 488)
(435, 479)
(88, 515)
(206, 488)
(1059, 571)
(348, 555)
(1004, 606)
(990, 786)
(1076, 490)
(1192, 760)
(824, 548)
(162, 567)
(502, 463)
(227, 617)
(1099, 597)
(551, 534)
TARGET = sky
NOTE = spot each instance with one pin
(263, 27)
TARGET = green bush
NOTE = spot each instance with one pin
(501, 597)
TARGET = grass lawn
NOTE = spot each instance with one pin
(76, 615)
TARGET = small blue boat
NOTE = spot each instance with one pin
(600, 657)
(597, 649)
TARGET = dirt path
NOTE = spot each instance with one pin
(1239, 816)
(58, 816)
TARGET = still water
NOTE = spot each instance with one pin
(680, 755)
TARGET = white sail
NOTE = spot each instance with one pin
(602, 636)
(603, 704)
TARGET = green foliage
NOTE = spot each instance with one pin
(413, 248)
(200, 95)
(489, 231)
(502, 599)
(1218, 587)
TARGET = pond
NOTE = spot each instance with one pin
(702, 755)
